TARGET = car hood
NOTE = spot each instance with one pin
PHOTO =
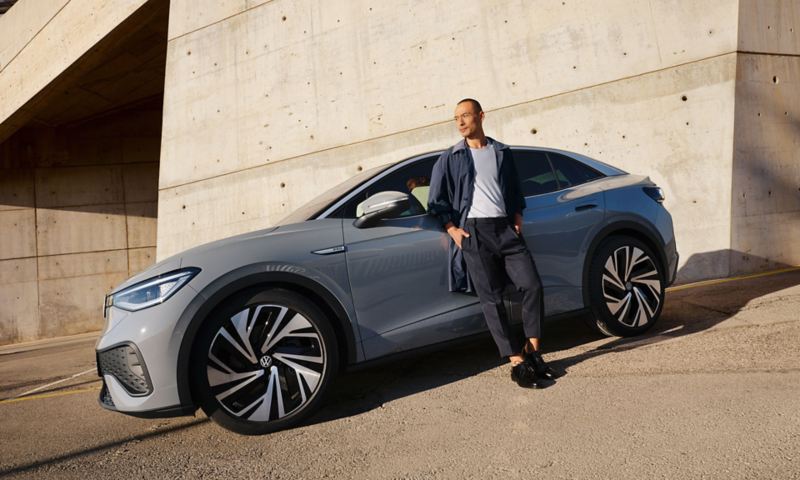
(195, 256)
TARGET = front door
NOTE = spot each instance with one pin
(399, 276)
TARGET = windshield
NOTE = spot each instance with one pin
(324, 200)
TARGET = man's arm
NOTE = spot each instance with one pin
(439, 200)
(439, 203)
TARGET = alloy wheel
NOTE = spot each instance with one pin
(265, 363)
(631, 286)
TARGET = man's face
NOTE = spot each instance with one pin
(468, 121)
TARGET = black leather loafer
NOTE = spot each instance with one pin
(540, 367)
(524, 374)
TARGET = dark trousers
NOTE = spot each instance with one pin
(494, 253)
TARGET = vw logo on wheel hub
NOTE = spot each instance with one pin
(265, 361)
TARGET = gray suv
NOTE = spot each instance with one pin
(254, 328)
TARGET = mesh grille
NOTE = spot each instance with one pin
(124, 364)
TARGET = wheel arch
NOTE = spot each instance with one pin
(235, 282)
(641, 231)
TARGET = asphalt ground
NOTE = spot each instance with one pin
(712, 391)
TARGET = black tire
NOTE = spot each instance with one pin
(625, 301)
(263, 361)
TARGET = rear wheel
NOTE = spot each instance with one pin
(626, 287)
(263, 361)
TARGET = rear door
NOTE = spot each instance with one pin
(562, 207)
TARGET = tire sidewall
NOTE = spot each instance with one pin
(199, 378)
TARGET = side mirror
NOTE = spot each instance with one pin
(379, 206)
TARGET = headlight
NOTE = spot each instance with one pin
(151, 292)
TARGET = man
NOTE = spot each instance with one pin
(476, 193)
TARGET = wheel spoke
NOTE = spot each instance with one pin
(252, 377)
(611, 267)
(312, 377)
(217, 377)
(298, 322)
(615, 304)
(244, 326)
(651, 310)
(275, 326)
(641, 314)
(638, 257)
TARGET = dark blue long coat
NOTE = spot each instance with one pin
(451, 192)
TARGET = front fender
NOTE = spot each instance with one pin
(216, 291)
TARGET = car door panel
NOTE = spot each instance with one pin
(399, 277)
(555, 229)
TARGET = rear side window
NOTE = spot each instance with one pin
(571, 172)
(535, 175)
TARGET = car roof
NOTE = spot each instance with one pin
(601, 167)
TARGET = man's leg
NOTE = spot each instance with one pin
(485, 270)
(521, 269)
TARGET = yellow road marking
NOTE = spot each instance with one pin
(732, 279)
(49, 395)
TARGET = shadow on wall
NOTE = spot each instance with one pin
(765, 184)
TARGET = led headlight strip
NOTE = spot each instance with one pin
(152, 291)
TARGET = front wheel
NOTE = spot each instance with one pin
(263, 361)
(626, 287)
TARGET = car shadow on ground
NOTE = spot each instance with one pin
(687, 311)
(84, 452)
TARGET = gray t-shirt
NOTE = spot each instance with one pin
(487, 200)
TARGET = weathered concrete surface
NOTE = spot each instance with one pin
(269, 103)
(765, 190)
(19, 297)
(711, 392)
(612, 122)
(769, 26)
(81, 87)
(765, 219)
(40, 46)
(78, 217)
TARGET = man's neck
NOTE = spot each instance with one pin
(478, 141)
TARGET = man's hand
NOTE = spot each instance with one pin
(457, 234)
(518, 223)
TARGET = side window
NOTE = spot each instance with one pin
(571, 172)
(414, 179)
(535, 174)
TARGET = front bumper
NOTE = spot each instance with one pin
(137, 359)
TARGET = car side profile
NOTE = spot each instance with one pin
(253, 329)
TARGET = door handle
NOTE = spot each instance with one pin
(587, 206)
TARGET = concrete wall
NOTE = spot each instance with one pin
(765, 220)
(77, 212)
(269, 103)
(40, 40)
